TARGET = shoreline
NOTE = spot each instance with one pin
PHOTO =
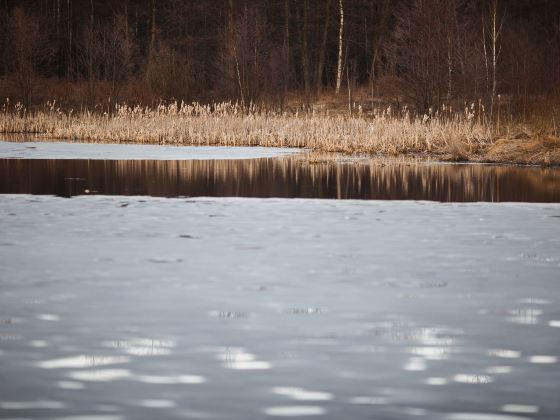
(459, 137)
(303, 154)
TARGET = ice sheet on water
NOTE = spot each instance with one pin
(105, 151)
(296, 295)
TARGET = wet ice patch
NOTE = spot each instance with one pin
(301, 394)
(482, 416)
(294, 411)
(169, 380)
(431, 353)
(94, 417)
(499, 370)
(415, 411)
(504, 353)
(82, 361)
(32, 405)
(524, 316)
(468, 378)
(70, 385)
(48, 317)
(157, 404)
(38, 343)
(165, 260)
(239, 359)
(249, 365)
(102, 375)
(436, 381)
(520, 409)
(102, 151)
(535, 301)
(228, 314)
(436, 336)
(367, 400)
(415, 364)
(143, 346)
(303, 311)
(543, 360)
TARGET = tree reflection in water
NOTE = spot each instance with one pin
(286, 177)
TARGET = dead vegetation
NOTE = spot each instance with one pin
(229, 124)
(539, 150)
(442, 134)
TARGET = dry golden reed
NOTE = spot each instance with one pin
(227, 124)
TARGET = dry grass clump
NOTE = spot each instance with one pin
(538, 150)
(227, 124)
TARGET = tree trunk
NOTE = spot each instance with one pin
(485, 57)
(496, 49)
(322, 50)
(125, 19)
(69, 46)
(90, 40)
(153, 30)
(340, 34)
(286, 50)
(378, 38)
(304, 51)
(449, 67)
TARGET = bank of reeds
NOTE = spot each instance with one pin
(461, 134)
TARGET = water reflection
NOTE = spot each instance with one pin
(281, 177)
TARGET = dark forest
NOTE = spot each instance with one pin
(419, 52)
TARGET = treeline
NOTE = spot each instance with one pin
(418, 52)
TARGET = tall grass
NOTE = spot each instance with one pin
(228, 124)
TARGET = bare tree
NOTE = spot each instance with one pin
(286, 50)
(108, 52)
(340, 39)
(323, 48)
(304, 49)
(245, 61)
(24, 52)
(496, 26)
(380, 33)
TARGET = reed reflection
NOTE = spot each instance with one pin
(281, 177)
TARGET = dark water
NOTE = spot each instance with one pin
(280, 177)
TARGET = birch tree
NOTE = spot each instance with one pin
(497, 24)
(340, 41)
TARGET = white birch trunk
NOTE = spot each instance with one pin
(340, 34)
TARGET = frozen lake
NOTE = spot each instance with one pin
(226, 308)
(105, 151)
(121, 304)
